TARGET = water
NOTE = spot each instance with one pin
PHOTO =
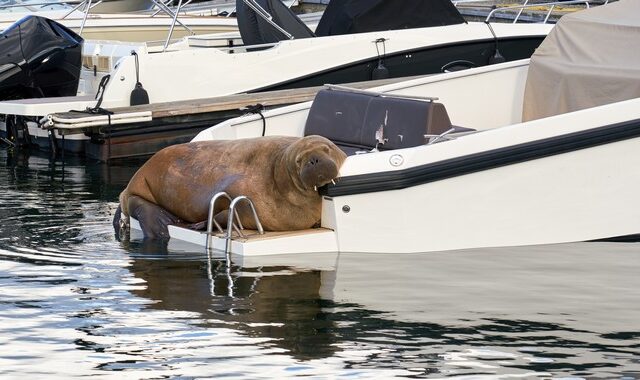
(74, 302)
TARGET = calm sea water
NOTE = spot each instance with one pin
(74, 302)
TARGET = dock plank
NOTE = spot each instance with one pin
(225, 103)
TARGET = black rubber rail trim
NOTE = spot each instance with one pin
(472, 163)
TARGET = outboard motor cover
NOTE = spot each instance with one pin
(39, 58)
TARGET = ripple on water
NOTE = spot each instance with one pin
(74, 302)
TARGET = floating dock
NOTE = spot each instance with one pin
(144, 129)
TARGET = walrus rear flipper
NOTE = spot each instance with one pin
(117, 217)
(200, 226)
(153, 219)
(220, 217)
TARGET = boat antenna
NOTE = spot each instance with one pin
(496, 57)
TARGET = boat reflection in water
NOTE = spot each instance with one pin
(531, 311)
(71, 293)
(277, 303)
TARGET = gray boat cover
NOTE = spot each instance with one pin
(590, 58)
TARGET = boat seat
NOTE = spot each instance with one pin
(352, 119)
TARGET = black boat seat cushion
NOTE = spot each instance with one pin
(351, 120)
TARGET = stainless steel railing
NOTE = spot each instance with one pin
(525, 5)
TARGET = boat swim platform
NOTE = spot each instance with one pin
(144, 129)
(313, 240)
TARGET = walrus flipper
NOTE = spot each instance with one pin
(117, 218)
(220, 217)
(153, 219)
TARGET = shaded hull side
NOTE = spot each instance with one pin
(418, 62)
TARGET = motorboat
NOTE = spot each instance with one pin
(223, 7)
(284, 53)
(23, 7)
(132, 21)
(533, 151)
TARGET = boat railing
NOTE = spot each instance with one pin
(161, 7)
(527, 4)
(33, 6)
(85, 7)
(336, 87)
(551, 6)
(232, 49)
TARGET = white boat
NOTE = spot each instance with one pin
(118, 20)
(549, 153)
(220, 7)
(23, 7)
(195, 68)
(512, 281)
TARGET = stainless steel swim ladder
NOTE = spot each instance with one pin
(231, 225)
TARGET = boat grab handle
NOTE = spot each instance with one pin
(232, 212)
(379, 94)
(211, 220)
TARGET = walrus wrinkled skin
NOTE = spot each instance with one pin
(279, 174)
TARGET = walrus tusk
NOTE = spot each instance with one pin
(315, 188)
(333, 181)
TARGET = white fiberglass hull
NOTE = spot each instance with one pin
(566, 178)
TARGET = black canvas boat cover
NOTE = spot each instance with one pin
(255, 30)
(359, 16)
(40, 58)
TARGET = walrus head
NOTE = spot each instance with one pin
(317, 161)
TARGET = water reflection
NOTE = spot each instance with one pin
(273, 302)
(52, 204)
(539, 309)
(533, 311)
(74, 302)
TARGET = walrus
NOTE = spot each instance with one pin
(280, 174)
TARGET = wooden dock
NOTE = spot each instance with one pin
(143, 130)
